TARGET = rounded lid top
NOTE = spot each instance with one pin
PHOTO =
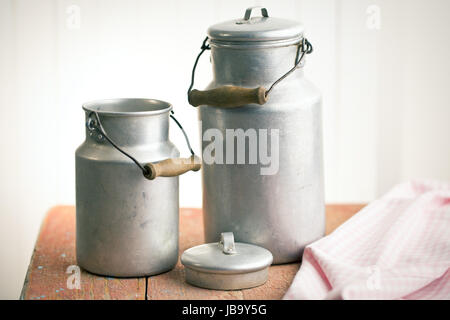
(227, 256)
(261, 29)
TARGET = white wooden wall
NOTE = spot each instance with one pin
(382, 66)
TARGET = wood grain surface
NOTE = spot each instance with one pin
(54, 253)
(227, 97)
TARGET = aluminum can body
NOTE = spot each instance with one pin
(126, 225)
(280, 205)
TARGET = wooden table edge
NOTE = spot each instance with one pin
(349, 208)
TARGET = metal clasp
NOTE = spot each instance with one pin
(227, 243)
(94, 130)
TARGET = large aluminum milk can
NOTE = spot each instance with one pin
(261, 137)
(127, 201)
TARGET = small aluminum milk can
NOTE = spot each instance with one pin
(261, 137)
(127, 225)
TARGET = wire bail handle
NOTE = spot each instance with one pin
(165, 168)
(226, 96)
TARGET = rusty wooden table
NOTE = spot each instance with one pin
(53, 261)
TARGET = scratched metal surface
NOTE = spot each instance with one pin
(55, 252)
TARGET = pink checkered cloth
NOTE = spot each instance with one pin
(398, 247)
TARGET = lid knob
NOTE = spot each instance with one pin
(248, 12)
(258, 29)
(227, 242)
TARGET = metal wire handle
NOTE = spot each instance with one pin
(303, 49)
(203, 48)
(95, 124)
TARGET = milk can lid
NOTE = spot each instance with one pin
(226, 265)
(260, 29)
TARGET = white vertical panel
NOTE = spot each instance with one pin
(391, 94)
(28, 163)
(9, 168)
(426, 78)
(319, 18)
(357, 103)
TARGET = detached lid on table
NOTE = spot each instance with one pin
(251, 29)
(226, 265)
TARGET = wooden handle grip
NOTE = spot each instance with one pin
(227, 97)
(172, 167)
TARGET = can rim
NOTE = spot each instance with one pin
(127, 106)
(218, 43)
